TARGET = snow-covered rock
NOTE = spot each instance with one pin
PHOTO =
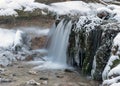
(14, 45)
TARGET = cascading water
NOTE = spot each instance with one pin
(59, 42)
(58, 38)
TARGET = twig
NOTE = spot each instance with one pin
(104, 3)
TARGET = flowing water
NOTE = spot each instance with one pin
(59, 42)
(57, 48)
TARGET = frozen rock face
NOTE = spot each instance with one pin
(104, 51)
(111, 73)
(91, 44)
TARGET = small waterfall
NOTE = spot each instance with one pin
(59, 42)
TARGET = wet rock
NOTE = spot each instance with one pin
(66, 84)
(5, 80)
(68, 70)
(90, 42)
(60, 76)
(20, 66)
(43, 78)
(83, 84)
(33, 82)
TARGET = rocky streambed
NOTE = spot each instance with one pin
(22, 74)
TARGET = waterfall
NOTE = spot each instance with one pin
(59, 36)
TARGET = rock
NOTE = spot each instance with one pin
(68, 70)
(60, 76)
(32, 72)
(44, 82)
(66, 84)
(91, 40)
(5, 80)
(33, 82)
(105, 13)
(83, 84)
(43, 78)
(2, 70)
(20, 66)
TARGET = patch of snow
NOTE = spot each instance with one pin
(115, 9)
(115, 70)
(88, 23)
(8, 12)
(107, 10)
(6, 38)
(60, 8)
(9, 40)
(116, 41)
(108, 66)
(111, 81)
(66, 7)
(115, 84)
(35, 31)
(18, 41)
(8, 7)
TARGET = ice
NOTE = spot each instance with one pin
(9, 41)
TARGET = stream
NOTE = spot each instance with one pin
(51, 72)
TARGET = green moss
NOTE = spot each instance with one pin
(115, 63)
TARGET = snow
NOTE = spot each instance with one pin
(7, 12)
(35, 31)
(18, 41)
(66, 7)
(115, 9)
(115, 84)
(115, 70)
(108, 66)
(9, 40)
(111, 81)
(83, 23)
(9, 7)
(6, 38)
(116, 40)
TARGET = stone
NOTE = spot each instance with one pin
(68, 70)
(43, 78)
(60, 76)
(2, 70)
(33, 82)
(66, 84)
(5, 80)
(44, 82)
(83, 84)
(32, 72)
